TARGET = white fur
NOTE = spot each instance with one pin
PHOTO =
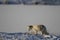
(46, 35)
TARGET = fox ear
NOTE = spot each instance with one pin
(43, 27)
(29, 27)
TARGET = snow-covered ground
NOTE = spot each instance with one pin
(45, 2)
(24, 36)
